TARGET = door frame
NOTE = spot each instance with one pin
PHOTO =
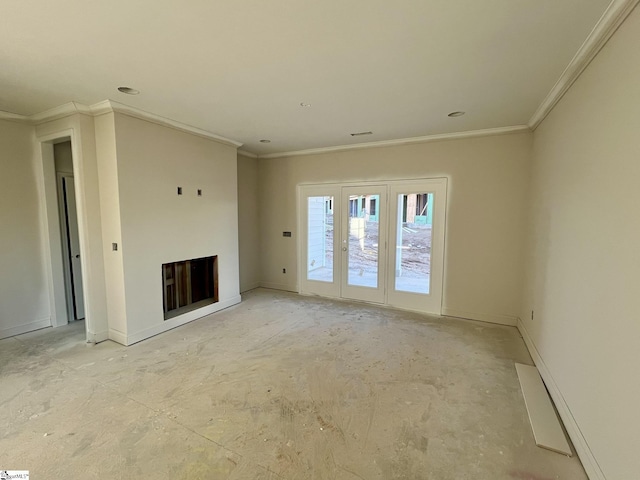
(52, 238)
(439, 238)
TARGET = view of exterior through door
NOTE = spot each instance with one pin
(386, 251)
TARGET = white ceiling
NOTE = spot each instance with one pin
(241, 68)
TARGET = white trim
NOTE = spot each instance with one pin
(251, 286)
(244, 153)
(279, 286)
(27, 327)
(60, 111)
(405, 141)
(585, 454)
(611, 19)
(117, 336)
(13, 117)
(97, 337)
(177, 321)
(50, 221)
(107, 106)
(483, 317)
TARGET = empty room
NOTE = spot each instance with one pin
(320, 240)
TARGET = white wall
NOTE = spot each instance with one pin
(24, 297)
(584, 264)
(248, 223)
(158, 226)
(111, 229)
(485, 214)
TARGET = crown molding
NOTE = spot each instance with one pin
(247, 154)
(611, 19)
(60, 111)
(13, 117)
(404, 141)
(107, 106)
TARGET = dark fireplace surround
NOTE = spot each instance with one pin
(188, 285)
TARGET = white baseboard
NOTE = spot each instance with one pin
(483, 317)
(251, 286)
(585, 454)
(118, 337)
(279, 286)
(180, 320)
(97, 337)
(27, 327)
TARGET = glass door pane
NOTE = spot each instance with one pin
(364, 233)
(320, 238)
(363, 242)
(413, 242)
(416, 234)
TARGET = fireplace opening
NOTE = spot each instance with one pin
(189, 285)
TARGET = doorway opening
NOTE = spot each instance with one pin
(63, 227)
(69, 232)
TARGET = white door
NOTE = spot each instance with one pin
(320, 239)
(416, 233)
(73, 244)
(363, 242)
(380, 243)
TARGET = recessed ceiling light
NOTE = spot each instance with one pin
(128, 90)
(456, 114)
(360, 133)
(302, 104)
(264, 140)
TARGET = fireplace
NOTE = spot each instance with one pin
(189, 285)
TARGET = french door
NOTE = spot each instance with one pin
(380, 243)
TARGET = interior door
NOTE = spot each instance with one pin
(73, 238)
(363, 242)
(416, 233)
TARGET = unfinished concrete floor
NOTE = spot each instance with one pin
(280, 386)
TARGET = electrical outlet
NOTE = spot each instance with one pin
(531, 314)
(284, 270)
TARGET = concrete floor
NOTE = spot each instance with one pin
(280, 386)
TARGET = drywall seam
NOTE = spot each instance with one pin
(611, 19)
(405, 141)
(585, 454)
(482, 317)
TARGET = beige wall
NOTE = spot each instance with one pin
(111, 229)
(484, 233)
(248, 223)
(24, 297)
(158, 226)
(584, 262)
